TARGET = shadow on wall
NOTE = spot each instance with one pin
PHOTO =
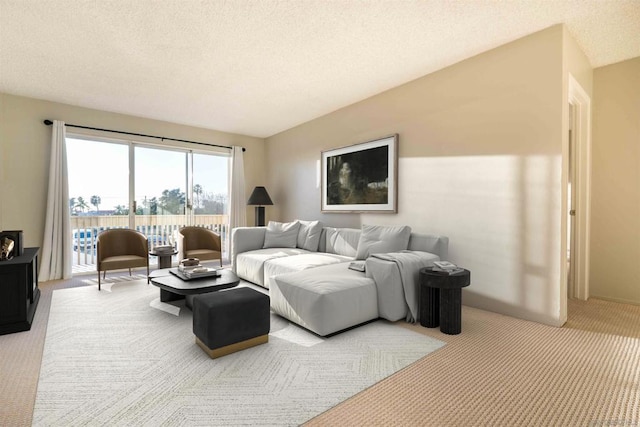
(502, 215)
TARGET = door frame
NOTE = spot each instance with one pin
(581, 103)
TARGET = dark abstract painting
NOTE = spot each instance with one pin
(360, 177)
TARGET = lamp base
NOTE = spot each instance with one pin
(259, 216)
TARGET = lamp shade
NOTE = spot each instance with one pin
(259, 196)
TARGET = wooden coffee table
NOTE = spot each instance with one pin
(173, 288)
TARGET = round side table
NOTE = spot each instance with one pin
(164, 258)
(441, 299)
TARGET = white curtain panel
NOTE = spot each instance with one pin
(238, 203)
(57, 253)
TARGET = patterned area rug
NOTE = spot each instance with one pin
(121, 357)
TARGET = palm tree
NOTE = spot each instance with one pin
(72, 205)
(172, 201)
(81, 204)
(95, 201)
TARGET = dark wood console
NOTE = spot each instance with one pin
(19, 293)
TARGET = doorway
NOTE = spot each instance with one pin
(578, 190)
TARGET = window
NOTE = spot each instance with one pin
(154, 189)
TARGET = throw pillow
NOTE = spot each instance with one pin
(309, 235)
(377, 239)
(281, 234)
(342, 241)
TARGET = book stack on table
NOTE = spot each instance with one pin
(195, 271)
(445, 267)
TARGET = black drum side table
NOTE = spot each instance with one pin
(164, 258)
(441, 299)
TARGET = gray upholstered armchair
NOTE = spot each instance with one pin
(122, 248)
(199, 242)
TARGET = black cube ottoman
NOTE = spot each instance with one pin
(231, 320)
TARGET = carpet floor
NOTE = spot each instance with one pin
(502, 371)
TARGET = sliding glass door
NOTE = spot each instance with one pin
(153, 189)
(210, 192)
(98, 175)
(160, 193)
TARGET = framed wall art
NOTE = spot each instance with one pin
(361, 177)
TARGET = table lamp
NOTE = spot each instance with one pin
(260, 198)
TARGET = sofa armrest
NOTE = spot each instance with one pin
(244, 239)
(438, 245)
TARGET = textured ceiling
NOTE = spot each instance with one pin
(258, 67)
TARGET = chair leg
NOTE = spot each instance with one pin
(147, 274)
(129, 271)
(98, 279)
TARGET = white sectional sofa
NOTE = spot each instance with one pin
(305, 266)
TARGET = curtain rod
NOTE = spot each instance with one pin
(162, 138)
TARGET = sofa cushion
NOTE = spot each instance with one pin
(309, 235)
(291, 264)
(250, 265)
(281, 234)
(341, 241)
(123, 261)
(203, 254)
(325, 299)
(381, 239)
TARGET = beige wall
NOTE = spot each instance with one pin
(615, 230)
(481, 147)
(25, 149)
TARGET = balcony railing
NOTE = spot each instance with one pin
(159, 229)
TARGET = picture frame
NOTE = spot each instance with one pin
(14, 236)
(361, 177)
